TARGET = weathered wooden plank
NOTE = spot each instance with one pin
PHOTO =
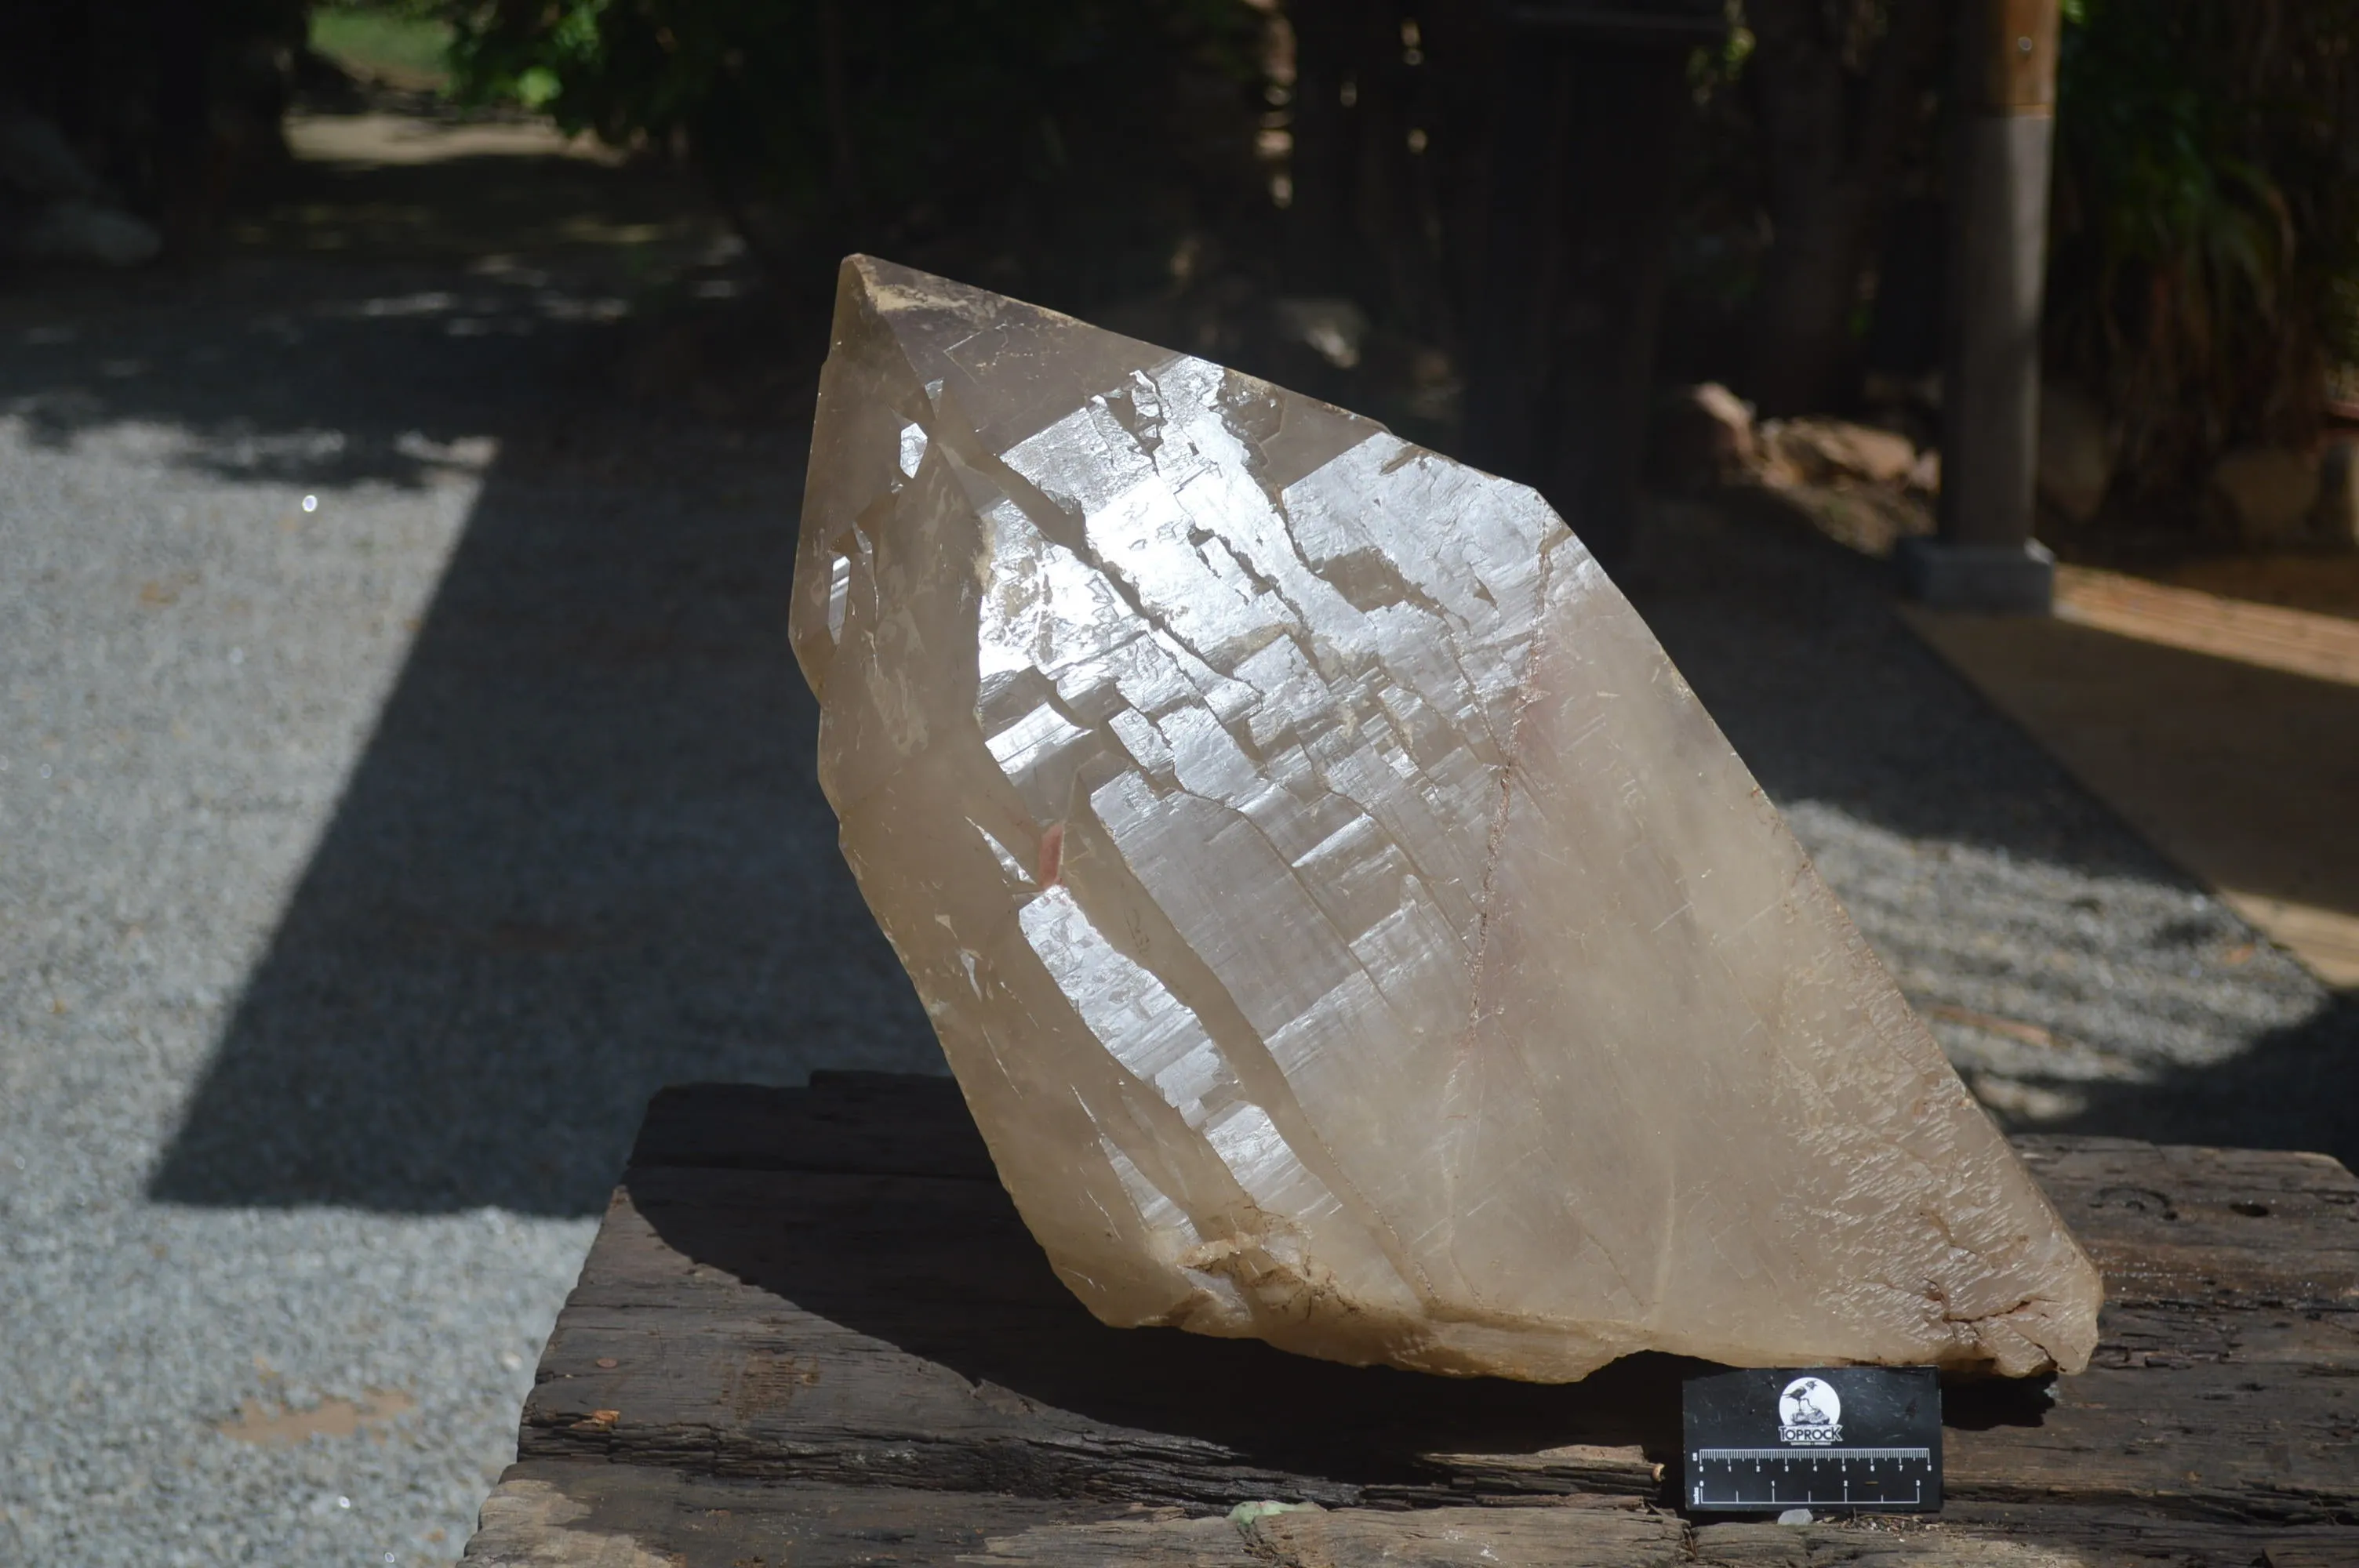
(1572, 1470)
(1473, 1538)
(776, 1323)
(2220, 1228)
(2145, 1537)
(615, 1515)
(1964, 1537)
(2165, 1337)
(814, 1313)
(1361, 1538)
(1143, 1543)
(766, 1323)
(578, 1515)
(1603, 1538)
(2271, 1441)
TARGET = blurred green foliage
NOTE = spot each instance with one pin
(406, 41)
(1058, 145)
(2206, 233)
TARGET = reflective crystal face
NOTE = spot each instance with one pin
(1346, 926)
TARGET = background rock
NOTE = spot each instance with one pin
(1821, 451)
(2268, 492)
(2076, 452)
(1925, 473)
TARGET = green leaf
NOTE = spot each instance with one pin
(537, 87)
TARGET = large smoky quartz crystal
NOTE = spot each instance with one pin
(1346, 926)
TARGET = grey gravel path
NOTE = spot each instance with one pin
(363, 867)
(2080, 983)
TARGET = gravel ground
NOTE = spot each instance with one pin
(369, 860)
(2080, 983)
(367, 866)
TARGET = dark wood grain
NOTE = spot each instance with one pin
(619, 1515)
(585, 1515)
(801, 1293)
(2189, 1227)
(767, 1324)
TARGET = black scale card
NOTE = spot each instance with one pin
(1762, 1440)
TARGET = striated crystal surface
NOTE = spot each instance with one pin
(1345, 924)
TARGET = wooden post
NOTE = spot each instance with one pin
(1985, 558)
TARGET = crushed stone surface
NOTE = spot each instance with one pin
(368, 864)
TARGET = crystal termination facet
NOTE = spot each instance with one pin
(1347, 928)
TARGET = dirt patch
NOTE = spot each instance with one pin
(376, 139)
(270, 1423)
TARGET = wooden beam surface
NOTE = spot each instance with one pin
(823, 1299)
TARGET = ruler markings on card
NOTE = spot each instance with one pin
(1767, 1439)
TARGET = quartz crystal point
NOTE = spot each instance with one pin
(1347, 928)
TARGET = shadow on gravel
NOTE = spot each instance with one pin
(1790, 642)
(2296, 1087)
(585, 855)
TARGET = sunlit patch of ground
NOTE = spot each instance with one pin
(2226, 730)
